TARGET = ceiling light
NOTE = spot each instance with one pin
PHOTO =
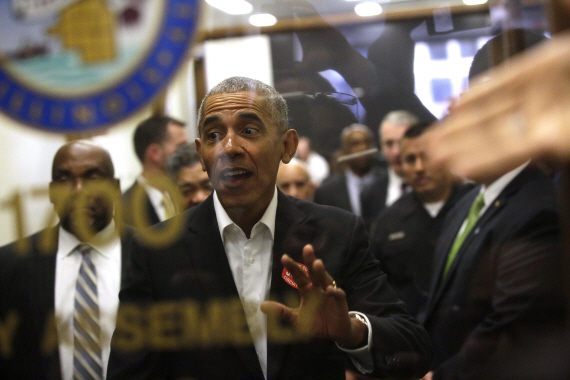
(233, 7)
(262, 19)
(369, 8)
(474, 2)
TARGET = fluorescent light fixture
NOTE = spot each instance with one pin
(232, 7)
(262, 19)
(474, 2)
(368, 8)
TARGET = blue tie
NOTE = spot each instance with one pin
(87, 362)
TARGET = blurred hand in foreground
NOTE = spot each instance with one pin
(517, 111)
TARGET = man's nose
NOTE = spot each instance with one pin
(231, 144)
(294, 191)
(77, 185)
(419, 165)
(200, 196)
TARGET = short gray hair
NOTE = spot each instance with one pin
(275, 103)
(184, 156)
(399, 117)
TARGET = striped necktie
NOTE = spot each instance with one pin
(470, 221)
(87, 361)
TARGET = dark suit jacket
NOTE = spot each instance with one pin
(403, 239)
(334, 192)
(503, 289)
(129, 204)
(27, 290)
(195, 267)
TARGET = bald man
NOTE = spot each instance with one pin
(345, 190)
(293, 179)
(72, 271)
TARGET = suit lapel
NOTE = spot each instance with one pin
(447, 238)
(208, 256)
(473, 241)
(344, 198)
(207, 252)
(290, 237)
(42, 296)
(126, 243)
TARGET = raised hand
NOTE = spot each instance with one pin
(323, 311)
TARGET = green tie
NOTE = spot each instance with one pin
(471, 219)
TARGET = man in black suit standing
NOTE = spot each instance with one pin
(392, 186)
(345, 190)
(155, 140)
(243, 244)
(404, 236)
(71, 271)
(496, 293)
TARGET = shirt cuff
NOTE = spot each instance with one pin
(362, 357)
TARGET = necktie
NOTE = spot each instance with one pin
(472, 218)
(87, 362)
(169, 211)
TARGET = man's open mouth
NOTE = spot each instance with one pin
(235, 175)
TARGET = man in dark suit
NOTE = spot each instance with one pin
(345, 190)
(496, 292)
(240, 248)
(389, 188)
(404, 236)
(40, 275)
(155, 140)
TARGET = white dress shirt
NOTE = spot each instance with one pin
(156, 198)
(250, 261)
(433, 208)
(107, 260)
(394, 191)
(355, 184)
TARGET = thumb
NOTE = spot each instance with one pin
(278, 310)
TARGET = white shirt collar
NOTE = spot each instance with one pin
(103, 242)
(365, 179)
(268, 218)
(433, 208)
(394, 178)
(156, 196)
(491, 192)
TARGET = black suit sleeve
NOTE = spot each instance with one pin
(527, 299)
(401, 347)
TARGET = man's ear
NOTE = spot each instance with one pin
(290, 142)
(154, 152)
(198, 143)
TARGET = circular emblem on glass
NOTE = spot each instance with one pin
(77, 65)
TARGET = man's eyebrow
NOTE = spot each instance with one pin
(59, 172)
(250, 116)
(211, 119)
